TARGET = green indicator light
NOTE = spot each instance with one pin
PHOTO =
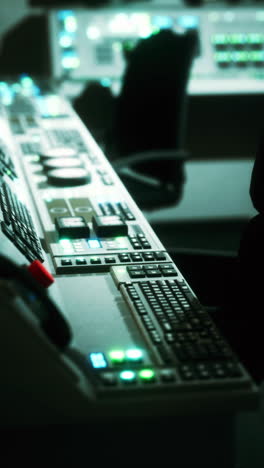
(94, 244)
(147, 374)
(240, 57)
(220, 39)
(26, 81)
(255, 38)
(256, 56)
(155, 30)
(238, 39)
(223, 57)
(128, 376)
(134, 354)
(121, 240)
(65, 243)
(117, 356)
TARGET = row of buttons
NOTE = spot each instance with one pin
(67, 137)
(145, 256)
(139, 242)
(118, 209)
(110, 259)
(238, 41)
(116, 357)
(187, 372)
(239, 58)
(143, 376)
(151, 271)
(206, 371)
(31, 147)
(105, 177)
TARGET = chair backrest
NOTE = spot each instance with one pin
(151, 108)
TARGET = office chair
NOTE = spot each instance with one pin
(145, 140)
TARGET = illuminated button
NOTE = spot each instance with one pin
(223, 58)
(66, 245)
(256, 40)
(121, 242)
(94, 244)
(220, 41)
(240, 58)
(134, 355)
(117, 356)
(256, 57)
(147, 375)
(128, 376)
(98, 360)
(238, 40)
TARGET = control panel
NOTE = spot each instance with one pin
(88, 44)
(138, 329)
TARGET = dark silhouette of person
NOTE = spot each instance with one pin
(231, 287)
(242, 311)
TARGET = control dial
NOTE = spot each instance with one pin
(69, 177)
(59, 152)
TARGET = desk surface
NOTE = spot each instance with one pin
(213, 190)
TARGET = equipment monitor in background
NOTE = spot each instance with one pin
(89, 44)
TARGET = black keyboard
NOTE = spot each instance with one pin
(181, 330)
(18, 225)
(6, 164)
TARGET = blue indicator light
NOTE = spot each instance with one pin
(188, 21)
(65, 40)
(106, 82)
(94, 244)
(127, 376)
(69, 59)
(98, 360)
(134, 354)
(163, 22)
(64, 14)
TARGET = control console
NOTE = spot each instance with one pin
(91, 45)
(140, 336)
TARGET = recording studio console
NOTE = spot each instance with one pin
(89, 45)
(141, 340)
